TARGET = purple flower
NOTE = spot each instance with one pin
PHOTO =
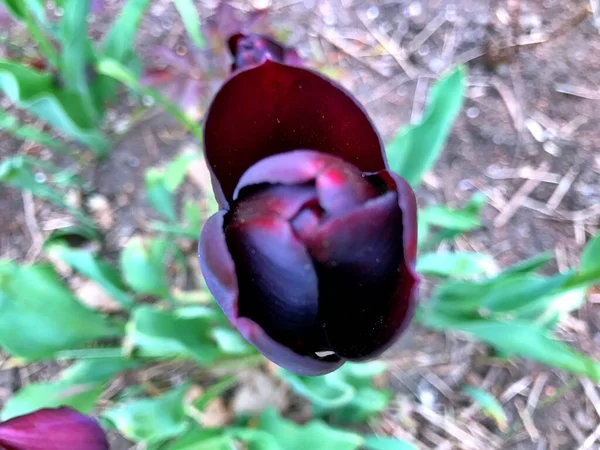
(57, 429)
(312, 255)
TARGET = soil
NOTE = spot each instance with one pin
(532, 111)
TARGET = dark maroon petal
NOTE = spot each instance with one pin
(285, 357)
(275, 108)
(52, 429)
(366, 293)
(217, 265)
(278, 286)
(294, 167)
(408, 205)
(273, 201)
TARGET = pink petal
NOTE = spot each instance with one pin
(52, 429)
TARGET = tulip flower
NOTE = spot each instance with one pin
(52, 429)
(312, 254)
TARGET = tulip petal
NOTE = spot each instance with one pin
(294, 167)
(284, 357)
(277, 282)
(366, 292)
(52, 429)
(217, 265)
(408, 205)
(275, 108)
(275, 201)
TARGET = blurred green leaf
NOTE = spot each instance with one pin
(590, 258)
(76, 51)
(373, 442)
(225, 439)
(151, 421)
(463, 220)
(185, 333)
(143, 264)
(119, 43)
(516, 292)
(190, 18)
(415, 148)
(529, 265)
(19, 9)
(114, 69)
(348, 393)
(39, 315)
(40, 95)
(97, 370)
(82, 397)
(488, 404)
(230, 341)
(19, 172)
(176, 170)
(87, 264)
(214, 391)
(518, 338)
(456, 264)
(315, 435)
(158, 195)
(28, 133)
(204, 439)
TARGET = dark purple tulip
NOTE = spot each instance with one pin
(312, 255)
(52, 429)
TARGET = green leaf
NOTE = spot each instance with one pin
(456, 264)
(76, 51)
(204, 439)
(315, 435)
(521, 338)
(87, 264)
(39, 94)
(347, 393)
(159, 196)
(18, 172)
(366, 403)
(82, 397)
(120, 40)
(10, 125)
(39, 315)
(189, 16)
(19, 9)
(231, 342)
(117, 71)
(590, 258)
(97, 370)
(143, 266)
(488, 404)
(151, 421)
(174, 334)
(373, 442)
(415, 148)
(529, 265)
(214, 391)
(176, 171)
(225, 439)
(461, 220)
(521, 291)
